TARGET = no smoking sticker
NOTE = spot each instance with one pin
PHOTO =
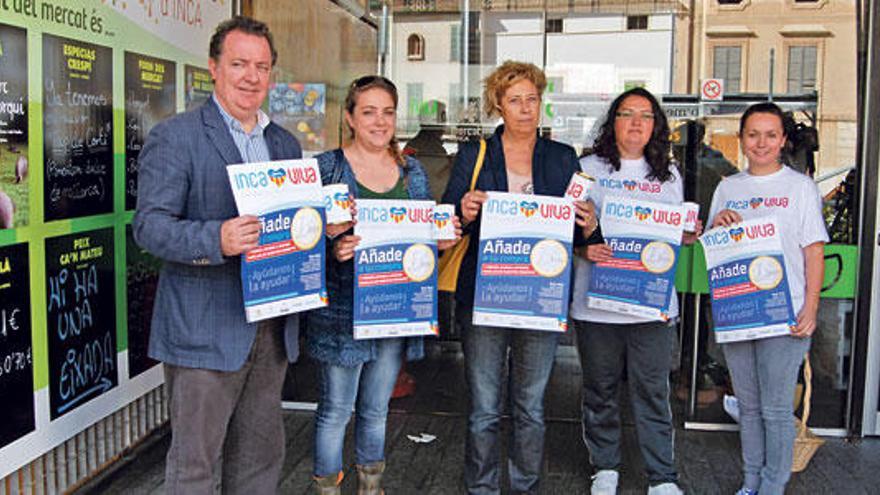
(712, 89)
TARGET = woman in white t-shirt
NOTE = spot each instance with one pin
(765, 371)
(631, 160)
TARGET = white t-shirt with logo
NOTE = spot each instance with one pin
(630, 182)
(797, 204)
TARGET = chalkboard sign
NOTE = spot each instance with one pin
(150, 97)
(142, 279)
(81, 318)
(77, 128)
(13, 86)
(16, 361)
(14, 207)
(198, 86)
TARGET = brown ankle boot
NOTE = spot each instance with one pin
(370, 478)
(328, 485)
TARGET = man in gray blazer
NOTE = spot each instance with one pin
(223, 375)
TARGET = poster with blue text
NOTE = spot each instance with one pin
(524, 263)
(395, 269)
(645, 237)
(285, 273)
(747, 281)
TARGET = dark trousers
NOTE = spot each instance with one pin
(531, 354)
(646, 351)
(230, 420)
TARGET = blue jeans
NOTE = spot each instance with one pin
(486, 359)
(371, 384)
(764, 376)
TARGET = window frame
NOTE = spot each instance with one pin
(455, 42)
(806, 4)
(638, 27)
(807, 43)
(741, 5)
(743, 58)
(415, 51)
(554, 20)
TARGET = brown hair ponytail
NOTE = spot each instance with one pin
(364, 83)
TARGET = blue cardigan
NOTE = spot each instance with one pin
(553, 164)
(329, 332)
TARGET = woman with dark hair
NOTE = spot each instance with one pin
(517, 160)
(655, 151)
(630, 159)
(359, 374)
(765, 371)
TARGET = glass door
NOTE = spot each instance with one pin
(799, 54)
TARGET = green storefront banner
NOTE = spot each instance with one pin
(82, 82)
(841, 269)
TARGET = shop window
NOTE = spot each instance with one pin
(553, 26)
(801, 69)
(415, 47)
(727, 65)
(636, 22)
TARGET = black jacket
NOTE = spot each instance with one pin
(553, 164)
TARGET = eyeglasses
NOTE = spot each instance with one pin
(629, 115)
(370, 80)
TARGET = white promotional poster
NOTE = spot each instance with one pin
(524, 264)
(395, 289)
(747, 281)
(285, 273)
(645, 237)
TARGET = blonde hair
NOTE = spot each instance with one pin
(365, 83)
(505, 76)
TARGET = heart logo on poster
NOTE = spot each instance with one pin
(441, 219)
(276, 175)
(630, 185)
(341, 199)
(756, 202)
(528, 208)
(736, 234)
(397, 213)
(642, 213)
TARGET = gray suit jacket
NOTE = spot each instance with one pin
(183, 197)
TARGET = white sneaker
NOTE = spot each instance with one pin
(731, 407)
(665, 489)
(605, 482)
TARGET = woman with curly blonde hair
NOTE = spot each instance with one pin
(517, 160)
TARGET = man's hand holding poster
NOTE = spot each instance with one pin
(285, 273)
